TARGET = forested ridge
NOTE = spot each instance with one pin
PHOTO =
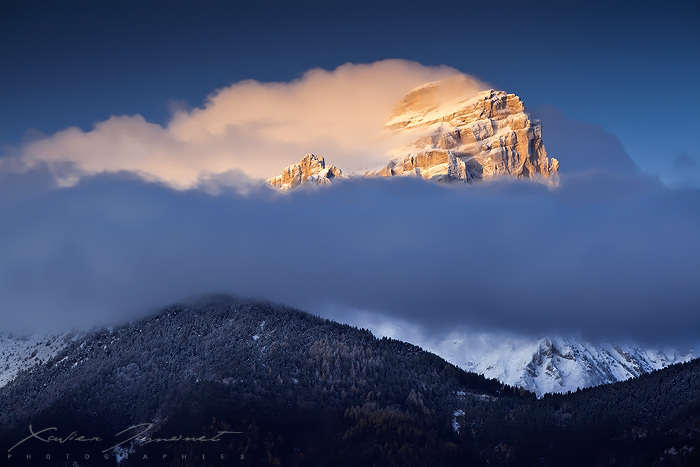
(301, 390)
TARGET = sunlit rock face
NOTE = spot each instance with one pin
(467, 138)
(434, 164)
(454, 135)
(310, 170)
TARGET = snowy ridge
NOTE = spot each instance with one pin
(555, 364)
(545, 365)
(552, 364)
(23, 352)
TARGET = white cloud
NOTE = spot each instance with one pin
(255, 129)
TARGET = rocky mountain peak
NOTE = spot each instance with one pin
(456, 134)
(310, 170)
(488, 132)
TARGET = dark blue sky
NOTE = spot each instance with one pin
(631, 67)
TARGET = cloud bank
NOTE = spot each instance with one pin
(250, 128)
(611, 252)
(604, 255)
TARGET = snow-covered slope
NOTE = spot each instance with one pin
(23, 352)
(552, 364)
(544, 365)
(555, 364)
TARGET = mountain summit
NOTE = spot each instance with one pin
(454, 137)
(479, 137)
(311, 169)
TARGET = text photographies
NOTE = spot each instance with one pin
(120, 446)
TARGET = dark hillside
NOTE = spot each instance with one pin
(300, 390)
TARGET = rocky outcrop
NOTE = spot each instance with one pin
(435, 164)
(549, 364)
(310, 170)
(453, 138)
(488, 133)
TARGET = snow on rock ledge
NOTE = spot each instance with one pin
(455, 136)
(489, 133)
(310, 170)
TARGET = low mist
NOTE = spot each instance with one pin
(604, 254)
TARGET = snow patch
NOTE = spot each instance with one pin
(24, 352)
(455, 424)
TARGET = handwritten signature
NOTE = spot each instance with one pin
(140, 437)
